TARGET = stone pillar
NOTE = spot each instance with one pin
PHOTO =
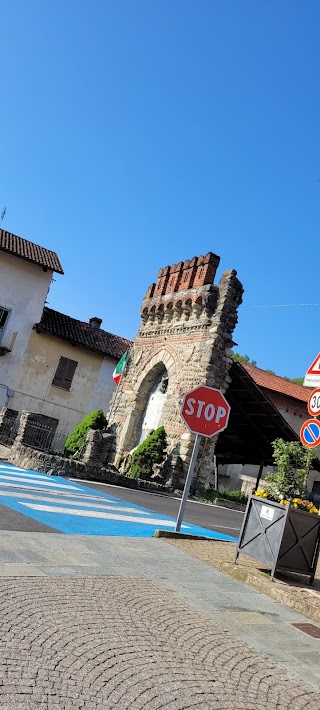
(24, 420)
(98, 446)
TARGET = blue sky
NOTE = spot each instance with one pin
(137, 134)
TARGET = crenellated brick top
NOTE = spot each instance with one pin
(192, 273)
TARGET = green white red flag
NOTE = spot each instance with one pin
(118, 370)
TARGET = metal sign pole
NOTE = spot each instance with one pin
(188, 482)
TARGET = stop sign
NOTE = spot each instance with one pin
(205, 411)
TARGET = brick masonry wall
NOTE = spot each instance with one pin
(189, 333)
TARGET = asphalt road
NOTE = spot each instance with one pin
(213, 517)
(14, 521)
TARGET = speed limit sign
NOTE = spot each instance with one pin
(314, 403)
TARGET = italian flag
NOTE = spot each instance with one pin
(118, 370)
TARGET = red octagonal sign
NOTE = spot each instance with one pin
(205, 411)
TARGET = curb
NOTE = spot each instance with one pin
(279, 594)
(184, 536)
(220, 502)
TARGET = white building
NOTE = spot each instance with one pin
(52, 365)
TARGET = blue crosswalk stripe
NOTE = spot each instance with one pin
(77, 509)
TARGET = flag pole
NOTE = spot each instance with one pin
(110, 413)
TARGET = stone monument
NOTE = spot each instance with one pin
(185, 339)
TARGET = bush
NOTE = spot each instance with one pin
(76, 440)
(293, 462)
(151, 451)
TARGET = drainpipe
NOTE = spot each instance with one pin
(9, 393)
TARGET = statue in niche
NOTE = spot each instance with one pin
(164, 383)
(155, 404)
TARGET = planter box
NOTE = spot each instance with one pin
(283, 538)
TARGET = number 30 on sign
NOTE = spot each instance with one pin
(314, 403)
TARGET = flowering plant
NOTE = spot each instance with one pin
(288, 485)
(297, 503)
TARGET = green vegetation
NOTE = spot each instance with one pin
(293, 462)
(245, 358)
(76, 440)
(151, 451)
(235, 496)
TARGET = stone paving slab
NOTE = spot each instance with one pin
(211, 597)
(288, 590)
(125, 643)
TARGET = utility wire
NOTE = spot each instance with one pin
(284, 305)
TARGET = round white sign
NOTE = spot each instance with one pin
(314, 403)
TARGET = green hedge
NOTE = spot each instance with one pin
(76, 440)
(151, 451)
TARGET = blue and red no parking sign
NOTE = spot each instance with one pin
(310, 433)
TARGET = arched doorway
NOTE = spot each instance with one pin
(155, 402)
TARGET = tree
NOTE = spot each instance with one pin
(298, 380)
(244, 358)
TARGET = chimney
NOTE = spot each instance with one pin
(95, 323)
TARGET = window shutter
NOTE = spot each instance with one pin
(64, 373)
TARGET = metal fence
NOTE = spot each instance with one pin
(39, 435)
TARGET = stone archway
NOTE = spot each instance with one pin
(160, 366)
(151, 416)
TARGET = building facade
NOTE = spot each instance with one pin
(52, 365)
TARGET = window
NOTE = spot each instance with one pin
(4, 315)
(64, 373)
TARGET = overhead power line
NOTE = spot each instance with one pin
(284, 305)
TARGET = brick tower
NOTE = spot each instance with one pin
(184, 340)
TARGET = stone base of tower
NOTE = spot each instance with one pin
(184, 340)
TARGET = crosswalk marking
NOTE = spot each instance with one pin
(74, 508)
(108, 505)
(61, 493)
(100, 515)
(39, 483)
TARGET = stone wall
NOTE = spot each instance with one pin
(186, 328)
(55, 465)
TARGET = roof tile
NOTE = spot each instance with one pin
(29, 251)
(80, 333)
(276, 383)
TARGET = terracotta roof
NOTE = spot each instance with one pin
(29, 251)
(80, 333)
(277, 384)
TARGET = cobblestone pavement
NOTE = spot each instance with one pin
(123, 642)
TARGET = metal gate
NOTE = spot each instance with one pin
(39, 435)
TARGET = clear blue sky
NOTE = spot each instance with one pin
(137, 134)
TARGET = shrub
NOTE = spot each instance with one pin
(293, 462)
(76, 440)
(151, 451)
